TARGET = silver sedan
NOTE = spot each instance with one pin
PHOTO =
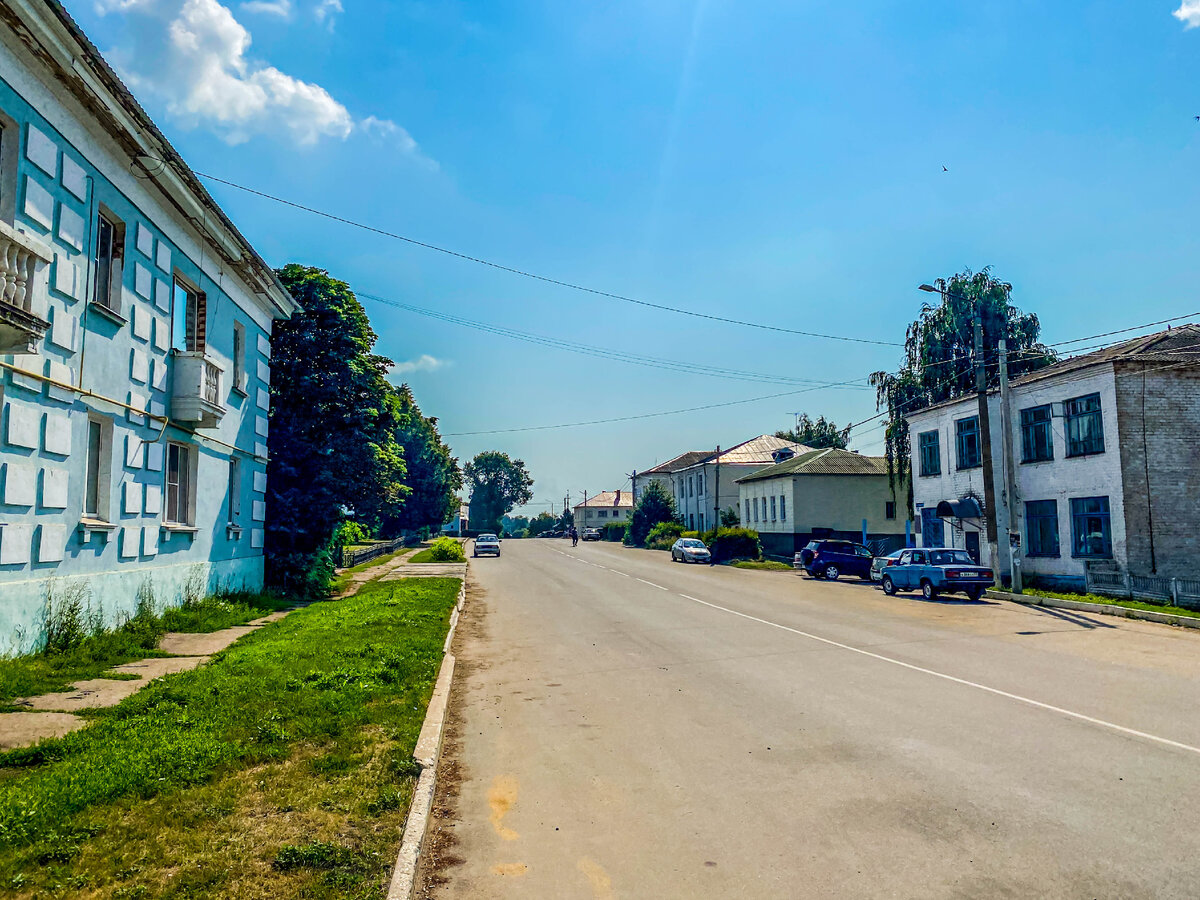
(690, 550)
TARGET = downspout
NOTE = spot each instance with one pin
(1146, 465)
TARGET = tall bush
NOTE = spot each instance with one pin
(735, 543)
(655, 505)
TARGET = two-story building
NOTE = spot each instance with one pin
(605, 508)
(1103, 448)
(135, 325)
(827, 493)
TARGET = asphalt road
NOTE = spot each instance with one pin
(626, 727)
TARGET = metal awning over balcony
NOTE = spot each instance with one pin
(21, 258)
(196, 390)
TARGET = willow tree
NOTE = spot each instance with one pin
(939, 356)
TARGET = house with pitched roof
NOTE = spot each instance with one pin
(818, 494)
(603, 509)
(1104, 454)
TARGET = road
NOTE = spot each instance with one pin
(625, 727)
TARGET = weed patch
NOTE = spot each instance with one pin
(1115, 601)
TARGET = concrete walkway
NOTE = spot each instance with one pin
(358, 579)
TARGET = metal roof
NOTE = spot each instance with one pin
(829, 461)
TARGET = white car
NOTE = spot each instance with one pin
(690, 550)
(485, 544)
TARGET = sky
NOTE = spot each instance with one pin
(775, 162)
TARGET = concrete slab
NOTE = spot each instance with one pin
(97, 692)
(201, 644)
(23, 729)
(427, 570)
(267, 620)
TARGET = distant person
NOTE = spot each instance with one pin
(574, 537)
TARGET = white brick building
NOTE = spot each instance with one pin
(606, 508)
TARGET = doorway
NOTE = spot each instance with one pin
(972, 539)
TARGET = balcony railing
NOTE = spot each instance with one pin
(22, 257)
(196, 390)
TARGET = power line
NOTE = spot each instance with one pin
(764, 326)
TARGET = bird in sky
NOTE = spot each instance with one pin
(944, 169)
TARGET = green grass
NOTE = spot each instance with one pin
(281, 769)
(1115, 601)
(90, 657)
(342, 580)
(767, 564)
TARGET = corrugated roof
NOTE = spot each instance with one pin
(829, 461)
(609, 499)
(682, 461)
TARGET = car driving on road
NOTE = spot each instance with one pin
(590, 534)
(690, 550)
(485, 544)
(937, 571)
(832, 559)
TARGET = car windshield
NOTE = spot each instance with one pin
(692, 542)
(487, 537)
(951, 558)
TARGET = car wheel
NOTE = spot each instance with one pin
(889, 586)
(928, 591)
(831, 573)
(974, 593)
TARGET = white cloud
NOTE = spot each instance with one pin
(281, 8)
(325, 12)
(1188, 13)
(423, 363)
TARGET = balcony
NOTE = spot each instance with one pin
(196, 391)
(21, 258)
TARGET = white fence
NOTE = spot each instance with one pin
(1173, 591)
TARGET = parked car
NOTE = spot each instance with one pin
(690, 550)
(485, 544)
(882, 562)
(934, 572)
(832, 559)
(590, 534)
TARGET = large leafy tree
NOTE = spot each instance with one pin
(543, 521)
(655, 505)
(816, 434)
(939, 355)
(333, 421)
(498, 483)
(433, 477)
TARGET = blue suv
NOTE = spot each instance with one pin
(831, 559)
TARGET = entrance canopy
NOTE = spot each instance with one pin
(967, 508)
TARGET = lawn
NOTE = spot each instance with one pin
(91, 656)
(342, 580)
(769, 565)
(1115, 601)
(281, 769)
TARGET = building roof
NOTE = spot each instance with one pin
(829, 461)
(60, 44)
(682, 461)
(1174, 346)
(608, 499)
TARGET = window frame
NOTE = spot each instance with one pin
(10, 154)
(184, 486)
(194, 319)
(1105, 516)
(1071, 418)
(1034, 548)
(108, 296)
(1031, 427)
(783, 507)
(101, 470)
(922, 446)
(889, 509)
(960, 436)
(233, 505)
(239, 358)
(773, 508)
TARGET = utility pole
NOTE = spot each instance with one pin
(1010, 478)
(717, 492)
(985, 439)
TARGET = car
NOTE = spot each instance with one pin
(590, 534)
(882, 562)
(937, 571)
(690, 550)
(485, 544)
(832, 558)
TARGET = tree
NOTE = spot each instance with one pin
(497, 483)
(333, 418)
(819, 434)
(939, 356)
(434, 477)
(655, 505)
(514, 524)
(730, 517)
(543, 521)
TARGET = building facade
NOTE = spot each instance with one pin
(826, 493)
(135, 325)
(605, 508)
(1102, 449)
(662, 472)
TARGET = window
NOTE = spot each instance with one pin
(235, 490)
(1091, 534)
(179, 484)
(931, 453)
(1037, 441)
(889, 509)
(701, 521)
(691, 486)
(99, 469)
(747, 510)
(188, 318)
(603, 514)
(755, 509)
(772, 509)
(1084, 425)
(108, 260)
(782, 508)
(9, 141)
(1041, 527)
(700, 481)
(239, 357)
(967, 432)
(691, 521)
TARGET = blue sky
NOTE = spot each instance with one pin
(780, 162)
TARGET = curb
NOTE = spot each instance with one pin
(426, 754)
(1123, 612)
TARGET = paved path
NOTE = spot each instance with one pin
(623, 727)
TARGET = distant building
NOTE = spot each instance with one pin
(457, 526)
(826, 493)
(1105, 458)
(135, 345)
(605, 508)
(663, 471)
